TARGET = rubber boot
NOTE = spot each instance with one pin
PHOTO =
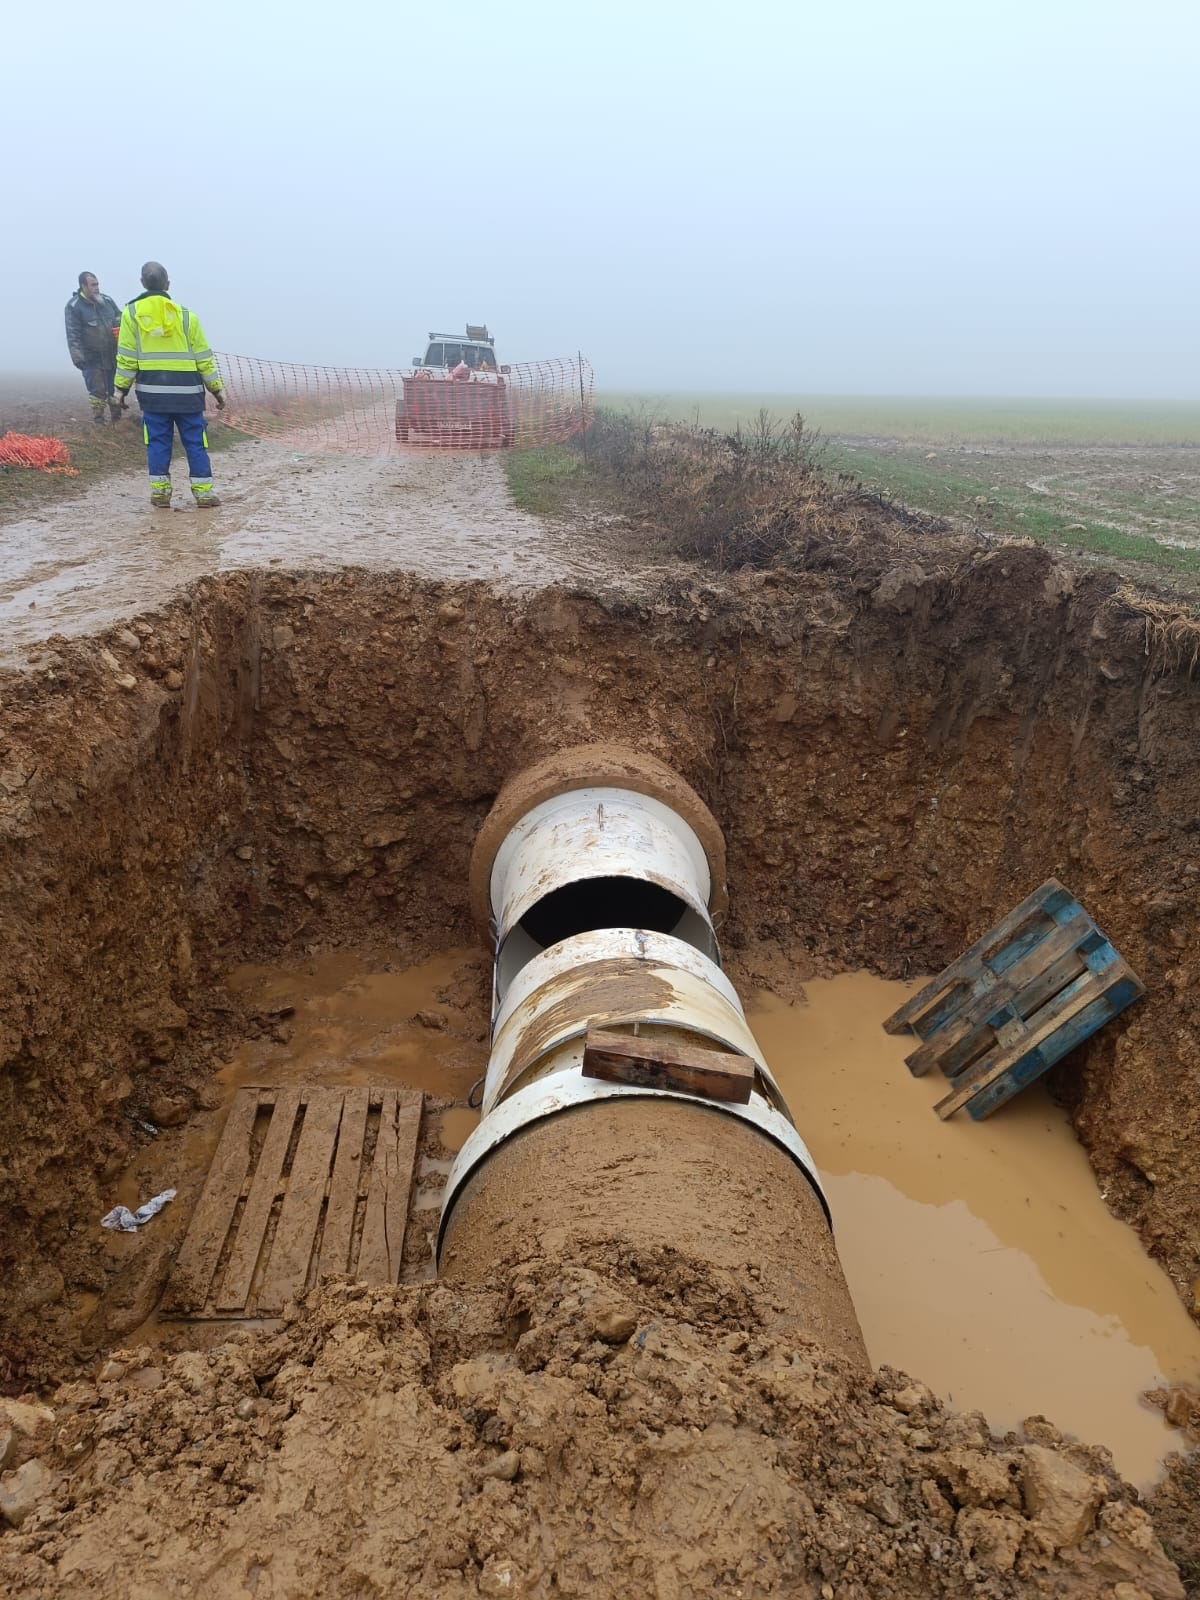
(205, 499)
(160, 493)
(97, 405)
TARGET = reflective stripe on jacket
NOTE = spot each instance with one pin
(162, 345)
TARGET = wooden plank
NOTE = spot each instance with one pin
(408, 1134)
(1030, 1000)
(382, 1244)
(1089, 986)
(655, 1064)
(344, 1185)
(970, 963)
(965, 1034)
(994, 964)
(1079, 1027)
(292, 1246)
(201, 1250)
(233, 1291)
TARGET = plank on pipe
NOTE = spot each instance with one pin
(233, 1292)
(662, 1064)
(214, 1211)
(292, 1246)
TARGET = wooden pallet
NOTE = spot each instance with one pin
(1036, 985)
(304, 1182)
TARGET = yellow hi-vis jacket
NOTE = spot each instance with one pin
(162, 345)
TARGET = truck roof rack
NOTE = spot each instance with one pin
(472, 336)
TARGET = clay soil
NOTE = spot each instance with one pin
(899, 746)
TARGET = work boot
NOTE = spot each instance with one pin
(160, 492)
(97, 411)
(205, 499)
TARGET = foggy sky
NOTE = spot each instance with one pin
(864, 197)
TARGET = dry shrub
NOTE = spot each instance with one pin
(755, 498)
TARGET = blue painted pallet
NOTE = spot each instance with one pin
(1036, 985)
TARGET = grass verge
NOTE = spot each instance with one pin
(749, 499)
(1139, 513)
(548, 481)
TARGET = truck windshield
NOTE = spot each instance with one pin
(449, 355)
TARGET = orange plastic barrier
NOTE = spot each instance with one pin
(380, 411)
(45, 455)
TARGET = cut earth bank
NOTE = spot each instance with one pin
(897, 754)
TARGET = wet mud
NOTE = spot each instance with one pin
(280, 766)
(81, 565)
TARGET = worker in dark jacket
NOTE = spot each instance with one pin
(92, 321)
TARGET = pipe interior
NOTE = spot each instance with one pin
(590, 904)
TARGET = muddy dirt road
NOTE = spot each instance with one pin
(82, 565)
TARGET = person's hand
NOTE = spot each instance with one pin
(220, 399)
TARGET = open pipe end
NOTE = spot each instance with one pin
(586, 766)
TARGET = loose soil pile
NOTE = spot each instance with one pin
(617, 1427)
(898, 751)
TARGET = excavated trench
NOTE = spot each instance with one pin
(277, 764)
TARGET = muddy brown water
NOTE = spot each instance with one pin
(980, 1257)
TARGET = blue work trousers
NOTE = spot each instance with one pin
(158, 430)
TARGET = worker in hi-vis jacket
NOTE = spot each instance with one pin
(162, 347)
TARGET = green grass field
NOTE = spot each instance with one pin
(937, 421)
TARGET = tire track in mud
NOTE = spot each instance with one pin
(90, 562)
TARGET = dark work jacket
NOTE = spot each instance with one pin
(90, 330)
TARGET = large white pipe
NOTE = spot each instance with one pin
(574, 852)
(599, 874)
(615, 979)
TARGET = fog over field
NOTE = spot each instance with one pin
(865, 199)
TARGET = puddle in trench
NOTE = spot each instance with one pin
(457, 1124)
(980, 1256)
(350, 1024)
(347, 1023)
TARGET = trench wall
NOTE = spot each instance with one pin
(895, 760)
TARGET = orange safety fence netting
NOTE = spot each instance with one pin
(379, 411)
(46, 455)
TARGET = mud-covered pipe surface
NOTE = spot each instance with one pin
(560, 873)
(659, 1174)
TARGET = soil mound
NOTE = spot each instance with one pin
(618, 1427)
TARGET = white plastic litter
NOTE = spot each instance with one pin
(126, 1221)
